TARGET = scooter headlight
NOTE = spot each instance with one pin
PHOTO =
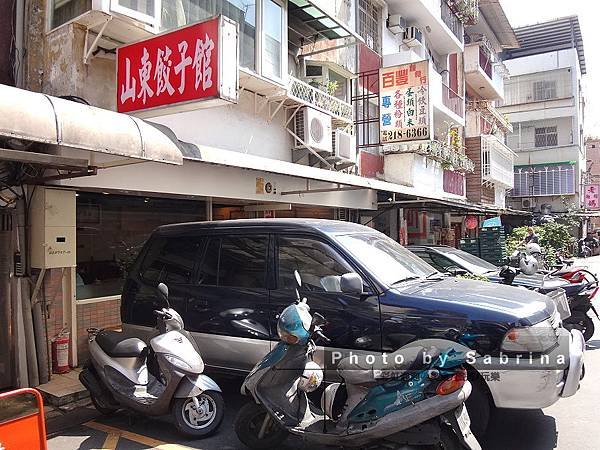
(178, 362)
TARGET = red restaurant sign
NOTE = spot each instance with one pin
(178, 67)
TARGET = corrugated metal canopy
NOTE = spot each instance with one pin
(316, 23)
(37, 117)
(558, 34)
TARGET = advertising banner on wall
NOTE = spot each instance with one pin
(404, 103)
(188, 68)
(592, 196)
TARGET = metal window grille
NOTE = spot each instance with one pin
(365, 100)
(543, 181)
(544, 90)
(369, 16)
(546, 137)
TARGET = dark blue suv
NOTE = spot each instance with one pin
(231, 279)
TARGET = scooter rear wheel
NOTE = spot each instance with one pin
(588, 330)
(202, 419)
(251, 420)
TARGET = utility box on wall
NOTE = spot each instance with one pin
(52, 225)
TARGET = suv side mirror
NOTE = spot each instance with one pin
(351, 283)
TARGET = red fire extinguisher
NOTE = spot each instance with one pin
(60, 352)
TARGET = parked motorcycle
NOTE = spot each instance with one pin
(581, 303)
(584, 286)
(410, 401)
(165, 377)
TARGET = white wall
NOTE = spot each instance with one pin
(540, 63)
(234, 127)
(415, 170)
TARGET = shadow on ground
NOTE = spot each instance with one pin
(518, 429)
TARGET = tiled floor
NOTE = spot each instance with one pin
(63, 388)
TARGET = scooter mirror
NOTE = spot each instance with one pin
(164, 292)
(298, 278)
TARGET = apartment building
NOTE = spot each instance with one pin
(545, 106)
(446, 52)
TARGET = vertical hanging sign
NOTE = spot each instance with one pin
(404, 103)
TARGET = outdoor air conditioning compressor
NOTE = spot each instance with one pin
(52, 224)
(314, 128)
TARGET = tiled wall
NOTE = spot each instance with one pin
(103, 314)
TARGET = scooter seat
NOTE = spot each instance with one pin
(368, 369)
(117, 345)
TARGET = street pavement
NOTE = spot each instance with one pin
(571, 423)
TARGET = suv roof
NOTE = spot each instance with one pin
(322, 225)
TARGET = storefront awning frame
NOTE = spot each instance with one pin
(32, 117)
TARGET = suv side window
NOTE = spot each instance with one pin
(235, 261)
(438, 262)
(319, 265)
(171, 260)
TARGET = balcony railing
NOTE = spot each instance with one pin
(453, 101)
(467, 11)
(497, 163)
(538, 87)
(485, 62)
(311, 96)
(452, 21)
(488, 109)
(441, 152)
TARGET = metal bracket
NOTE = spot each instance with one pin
(87, 52)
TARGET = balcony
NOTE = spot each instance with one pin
(441, 26)
(441, 152)
(453, 101)
(497, 163)
(494, 117)
(303, 93)
(483, 76)
(452, 21)
(448, 105)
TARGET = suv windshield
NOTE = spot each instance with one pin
(384, 257)
(467, 261)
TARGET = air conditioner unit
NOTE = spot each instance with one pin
(314, 128)
(528, 203)
(396, 23)
(413, 37)
(344, 145)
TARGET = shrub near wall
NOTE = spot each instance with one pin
(554, 238)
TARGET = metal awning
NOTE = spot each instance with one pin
(315, 23)
(41, 118)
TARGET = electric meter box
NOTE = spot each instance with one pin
(52, 225)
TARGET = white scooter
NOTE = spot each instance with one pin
(165, 377)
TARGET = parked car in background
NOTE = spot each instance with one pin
(456, 262)
(231, 279)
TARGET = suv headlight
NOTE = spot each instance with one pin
(178, 362)
(535, 339)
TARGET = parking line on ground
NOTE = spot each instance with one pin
(135, 437)
(111, 441)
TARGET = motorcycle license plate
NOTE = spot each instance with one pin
(464, 421)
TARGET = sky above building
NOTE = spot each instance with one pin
(527, 12)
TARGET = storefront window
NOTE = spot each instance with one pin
(111, 229)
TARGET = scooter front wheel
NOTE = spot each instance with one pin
(256, 429)
(199, 416)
